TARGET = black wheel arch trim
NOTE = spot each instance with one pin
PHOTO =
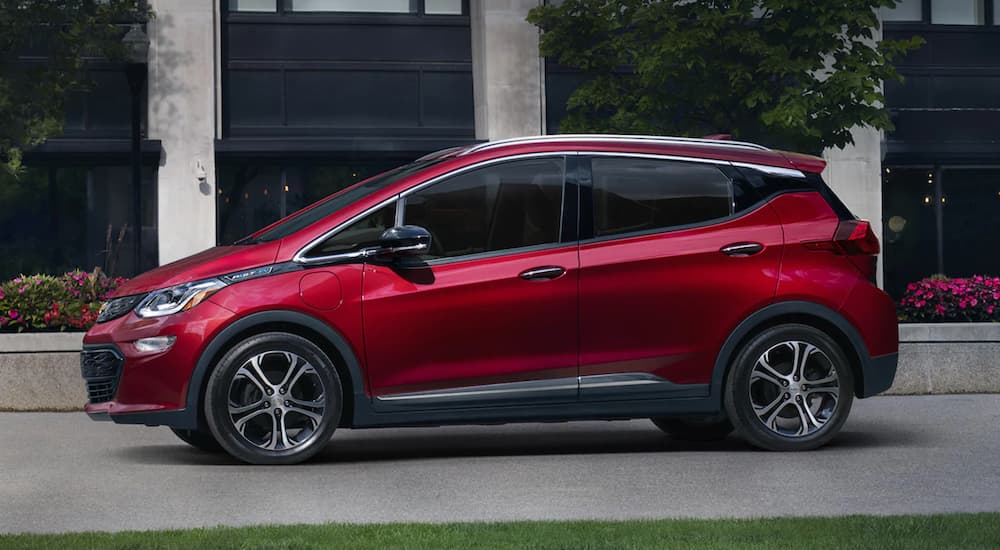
(875, 374)
(190, 417)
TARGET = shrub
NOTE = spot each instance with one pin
(940, 299)
(49, 303)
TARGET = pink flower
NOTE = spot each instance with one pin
(13, 314)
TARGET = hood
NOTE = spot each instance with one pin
(203, 265)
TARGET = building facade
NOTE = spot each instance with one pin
(256, 108)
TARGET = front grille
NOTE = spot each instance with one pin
(101, 368)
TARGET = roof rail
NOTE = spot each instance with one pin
(612, 137)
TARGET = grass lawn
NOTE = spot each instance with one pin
(909, 532)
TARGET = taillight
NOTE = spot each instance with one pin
(855, 239)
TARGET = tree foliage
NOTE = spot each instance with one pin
(794, 73)
(44, 46)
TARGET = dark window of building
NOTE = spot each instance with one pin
(905, 10)
(971, 230)
(254, 5)
(958, 12)
(102, 109)
(941, 12)
(939, 220)
(909, 239)
(54, 219)
(364, 6)
(443, 7)
(512, 205)
(431, 7)
(635, 194)
(252, 196)
(360, 234)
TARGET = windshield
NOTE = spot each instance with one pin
(308, 216)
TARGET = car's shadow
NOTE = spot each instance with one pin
(360, 446)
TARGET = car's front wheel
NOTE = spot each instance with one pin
(789, 389)
(274, 398)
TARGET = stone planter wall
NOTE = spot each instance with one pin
(41, 372)
(948, 358)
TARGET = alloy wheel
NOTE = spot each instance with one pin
(276, 400)
(794, 389)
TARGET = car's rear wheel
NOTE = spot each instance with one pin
(695, 428)
(274, 398)
(201, 440)
(789, 389)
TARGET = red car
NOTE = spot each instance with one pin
(708, 285)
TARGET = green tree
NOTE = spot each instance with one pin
(794, 73)
(44, 47)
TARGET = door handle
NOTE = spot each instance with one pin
(542, 273)
(740, 250)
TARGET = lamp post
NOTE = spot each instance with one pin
(136, 58)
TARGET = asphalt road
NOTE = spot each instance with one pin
(63, 472)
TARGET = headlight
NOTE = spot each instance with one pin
(177, 298)
(113, 309)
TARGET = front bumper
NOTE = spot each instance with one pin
(147, 387)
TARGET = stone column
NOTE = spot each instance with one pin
(506, 69)
(855, 174)
(182, 116)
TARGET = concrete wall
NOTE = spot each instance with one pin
(506, 69)
(41, 372)
(948, 358)
(182, 115)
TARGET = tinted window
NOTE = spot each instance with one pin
(511, 205)
(633, 194)
(360, 234)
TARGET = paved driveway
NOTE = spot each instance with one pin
(62, 472)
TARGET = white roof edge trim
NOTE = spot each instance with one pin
(773, 170)
(612, 137)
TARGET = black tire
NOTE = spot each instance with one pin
(794, 420)
(203, 441)
(695, 428)
(263, 445)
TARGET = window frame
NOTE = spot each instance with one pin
(577, 206)
(587, 235)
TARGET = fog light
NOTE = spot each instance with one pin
(155, 343)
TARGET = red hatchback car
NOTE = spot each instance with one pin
(708, 285)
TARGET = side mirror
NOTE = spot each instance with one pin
(404, 240)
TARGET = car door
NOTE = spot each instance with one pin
(668, 267)
(490, 315)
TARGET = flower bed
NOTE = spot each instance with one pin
(54, 303)
(941, 300)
